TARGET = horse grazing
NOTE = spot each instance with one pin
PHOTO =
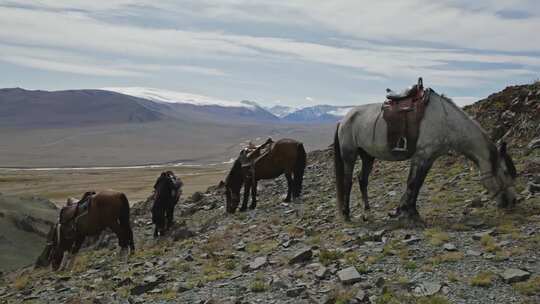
(444, 127)
(167, 191)
(107, 209)
(286, 156)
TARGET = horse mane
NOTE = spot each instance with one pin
(493, 153)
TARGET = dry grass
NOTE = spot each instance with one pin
(327, 257)
(530, 287)
(449, 257)
(436, 236)
(21, 282)
(483, 279)
(489, 243)
(341, 295)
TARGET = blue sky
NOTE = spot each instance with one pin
(294, 52)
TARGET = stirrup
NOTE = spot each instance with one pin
(401, 145)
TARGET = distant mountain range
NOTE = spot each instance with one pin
(132, 126)
(19, 107)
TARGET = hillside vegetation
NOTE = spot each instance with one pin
(470, 251)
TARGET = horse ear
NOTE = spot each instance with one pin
(221, 184)
(502, 148)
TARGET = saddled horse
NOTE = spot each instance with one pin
(107, 209)
(167, 191)
(285, 156)
(444, 127)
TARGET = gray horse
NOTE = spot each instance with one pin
(444, 127)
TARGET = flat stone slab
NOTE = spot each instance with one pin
(301, 255)
(427, 289)
(449, 247)
(475, 253)
(513, 275)
(321, 272)
(349, 275)
(478, 236)
(258, 263)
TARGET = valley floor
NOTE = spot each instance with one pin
(137, 183)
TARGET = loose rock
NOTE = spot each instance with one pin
(513, 275)
(349, 275)
(301, 255)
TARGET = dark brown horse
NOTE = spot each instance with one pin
(167, 191)
(286, 156)
(107, 209)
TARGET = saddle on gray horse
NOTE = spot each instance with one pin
(403, 113)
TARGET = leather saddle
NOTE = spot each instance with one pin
(250, 157)
(403, 113)
(83, 206)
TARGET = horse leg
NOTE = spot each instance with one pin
(74, 250)
(171, 215)
(253, 196)
(417, 174)
(367, 165)
(347, 186)
(245, 199)
(289, 187)
(65, 260)
(121, 235)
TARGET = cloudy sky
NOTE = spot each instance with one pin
(297, 52)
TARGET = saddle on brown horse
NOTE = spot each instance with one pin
(251, 155)
(81, 207)
(403, 113)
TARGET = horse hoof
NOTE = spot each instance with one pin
(287, 200)
(412, 220)
(242, 209)
(252, 207)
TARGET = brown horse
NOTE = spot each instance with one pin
(107, 209)
(286, 156)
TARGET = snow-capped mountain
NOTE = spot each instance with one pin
(181, 104)
(168, 96)
(317, 114)
(281, 111)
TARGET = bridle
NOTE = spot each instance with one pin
(488, 175)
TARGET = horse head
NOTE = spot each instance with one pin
(233, 184)
(44, 259)
(61, 236)
(500, 182)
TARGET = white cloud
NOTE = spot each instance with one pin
(465, 100)
(74, 68)
(69, 36)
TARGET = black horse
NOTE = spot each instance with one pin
(167, 192)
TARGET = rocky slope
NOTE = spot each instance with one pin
(24, 223)
(512, 114)
(470, 251)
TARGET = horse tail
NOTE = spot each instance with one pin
(299, 169)
(125, 222)
(339, 171)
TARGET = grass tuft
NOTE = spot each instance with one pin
(483, 279)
